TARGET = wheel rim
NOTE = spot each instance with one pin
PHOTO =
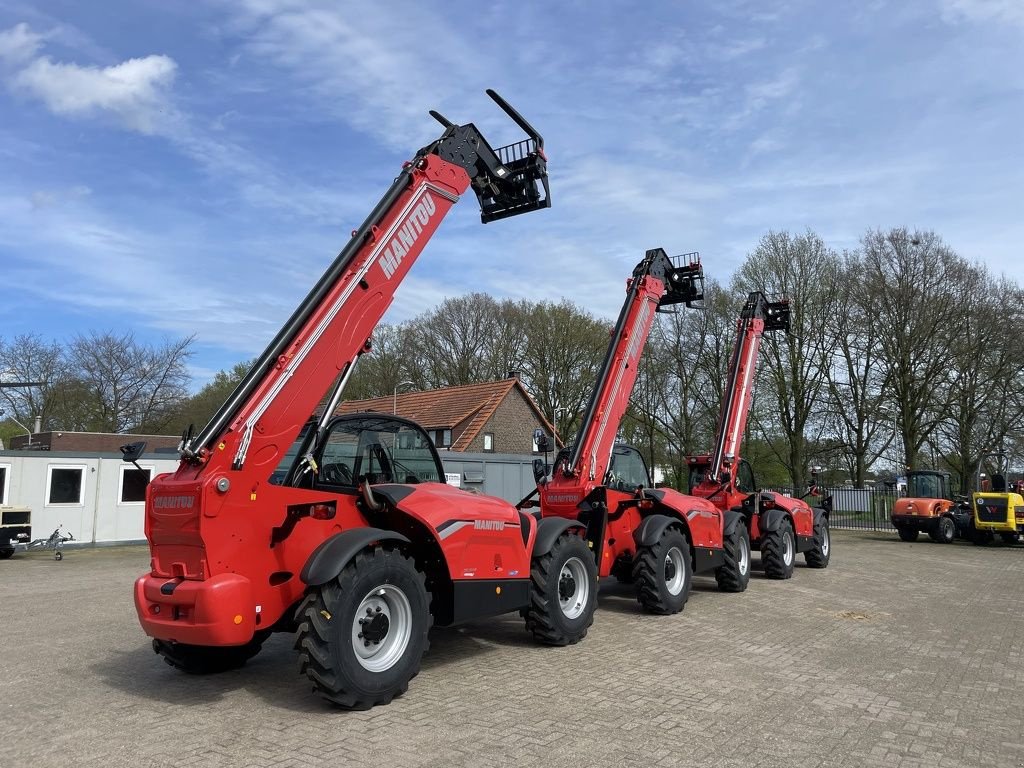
(382, 628)
(787, 547)
(825, 541)
(573, 588)
(744, 560)
(947, 529)
(675, 571)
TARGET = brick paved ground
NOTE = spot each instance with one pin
(897, 655)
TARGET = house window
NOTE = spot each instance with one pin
(133, 484)
(488, 441)
(5, 473)
(442, 438)
(65, 485)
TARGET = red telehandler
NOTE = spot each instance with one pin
(341, 528)
(779, 526)
(655, 537)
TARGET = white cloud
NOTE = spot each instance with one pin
(735, 49)
(779, 87)
(135, 91)
(19, 43)
(765, 144)
(368, 69)
(1008, 11)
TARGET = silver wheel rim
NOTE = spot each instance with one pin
(824, 541)
(573, 588)
(787, 547)
(674, 564)
(744, 563)
(382, 628)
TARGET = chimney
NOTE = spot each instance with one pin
(512, 374)
(38, 425)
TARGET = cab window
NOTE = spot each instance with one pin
(379, 449)
(924, 487)
(745, 478)
(627, 471)
(697, 475)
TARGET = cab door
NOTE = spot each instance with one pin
(627, 472)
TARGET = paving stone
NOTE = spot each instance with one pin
(896, 655)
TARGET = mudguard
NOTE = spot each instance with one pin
(548, 530)
(333, 554)
(732, 518)
(770, 519)
(819, 513)
(651, 528)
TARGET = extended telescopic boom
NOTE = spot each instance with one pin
(331, 327)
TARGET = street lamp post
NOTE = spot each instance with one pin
(554, 425)
(27, 430)
(394, 399)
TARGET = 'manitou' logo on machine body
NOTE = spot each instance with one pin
(174, 502)
(407, 235)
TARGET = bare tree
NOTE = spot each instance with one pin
(857, 374)
(985, 393)
(123, 385)
(561, 359)
(803, 269)
(681, 380)
(392, 360)
(910, 277)
(31, 359)
(455, 343)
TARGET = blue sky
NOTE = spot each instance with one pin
(183, 168)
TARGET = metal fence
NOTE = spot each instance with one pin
(856, 509)
(510, 476)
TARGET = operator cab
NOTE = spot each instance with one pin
(745, 482)
(700, 465)
(927, 484)
(627, 470)
(377, 448)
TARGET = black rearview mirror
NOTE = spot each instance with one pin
(541, 440)
(540, 471)
(132, 452)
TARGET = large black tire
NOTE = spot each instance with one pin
(778, 551)
(734, 574)
(906, 533)
(563, 592)
(208, 659)
(821, 551)
(945, 531)
(1008, 538)
(663, 573)
(362, 636)
(6, 553)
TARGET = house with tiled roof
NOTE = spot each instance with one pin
(493, 416)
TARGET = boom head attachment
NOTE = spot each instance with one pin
(683, 276)
(507, 180)
(776, 314)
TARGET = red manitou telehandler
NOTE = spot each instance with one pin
(655, 537)
(341, 528)
(779, 526)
